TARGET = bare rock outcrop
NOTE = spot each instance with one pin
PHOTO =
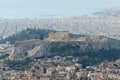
(38, 48)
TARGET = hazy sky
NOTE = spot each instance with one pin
(38, 8)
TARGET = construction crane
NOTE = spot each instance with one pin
(4, 30)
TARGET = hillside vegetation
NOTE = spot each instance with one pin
(27, 35)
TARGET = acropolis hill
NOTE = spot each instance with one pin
(46, 47)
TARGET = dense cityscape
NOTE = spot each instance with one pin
(59, 40)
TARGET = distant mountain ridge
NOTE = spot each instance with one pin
(112, 12)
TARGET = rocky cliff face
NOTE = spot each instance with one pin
(38, 48)
(22, 48)
(42, 50)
